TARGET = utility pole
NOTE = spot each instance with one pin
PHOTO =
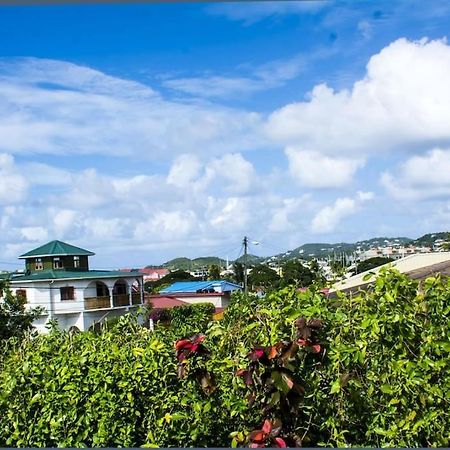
(245, 243)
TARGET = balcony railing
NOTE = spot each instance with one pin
(136, 298)
(121, 300)
(96, 302)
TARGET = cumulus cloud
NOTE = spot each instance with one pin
(236, 174)
(34, 233)
(13, 185)
(174, 225)
(185, 169)
(314, 170)
(402, 103)
(328, 219)
(420, 177)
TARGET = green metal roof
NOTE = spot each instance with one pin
(56, 248)
(48, 275)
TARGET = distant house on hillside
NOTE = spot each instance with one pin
(58, 278)
(217, 292)
(419, 266)
(154, 274)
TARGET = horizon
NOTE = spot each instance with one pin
(137, 130)
(225, 258)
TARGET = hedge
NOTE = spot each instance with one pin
(366, 370)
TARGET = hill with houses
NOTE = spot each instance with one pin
(312, 251)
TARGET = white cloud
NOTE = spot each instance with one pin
(314, 170)
(13, 185)
(420, 177)
(229, 214)
(185, 169)
(56, 107)
(251, 12)
(264, 77)
(290, 213)
(34, 233)
(63, 220)
(328, 219)
(164, 225)
(236, 174)
(403, 103)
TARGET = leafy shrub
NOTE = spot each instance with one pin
(191, 318)
(294, 368)
(160, 315)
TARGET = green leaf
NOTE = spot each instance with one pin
(335, 386)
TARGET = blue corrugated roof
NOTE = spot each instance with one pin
(196, 286)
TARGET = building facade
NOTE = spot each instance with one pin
(58, 279)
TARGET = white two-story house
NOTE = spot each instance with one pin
(57, 278)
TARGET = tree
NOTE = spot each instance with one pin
(337, 267)
(172, 277)
(238, 269)
(294, 272)
(371, 263)
(263, 276)
(214, 272)
(15, 319)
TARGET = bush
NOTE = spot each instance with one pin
(192, 318)
(372, 372)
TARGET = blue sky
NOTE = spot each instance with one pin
(148, 131)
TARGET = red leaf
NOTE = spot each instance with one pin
(182, 343)
(267, 427)
(257, 436)
(256, 354)
(272, 353)
(248, 378)
(280, 443)
(316, 348)
(194, 347)
(302, 342)
(240, 372)
(198, 338)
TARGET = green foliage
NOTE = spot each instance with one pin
(372, 372)
(186, 319)
(238, 269)
(191, 318)
(167, 280)
(264, 277)
(214, 272)
(371, 263)
(294, 272)
(15, 319)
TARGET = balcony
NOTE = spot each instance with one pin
(97, 302)
(136, 298)
(121, 300)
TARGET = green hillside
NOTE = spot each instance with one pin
(309, 251)
(430, 238)
(183, 263)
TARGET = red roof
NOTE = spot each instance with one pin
(161, 301)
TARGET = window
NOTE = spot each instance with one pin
(22, 293)
(76, 262)
(57, 263)
(38, 265)
(67, 293)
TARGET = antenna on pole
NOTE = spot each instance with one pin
(245, 243)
